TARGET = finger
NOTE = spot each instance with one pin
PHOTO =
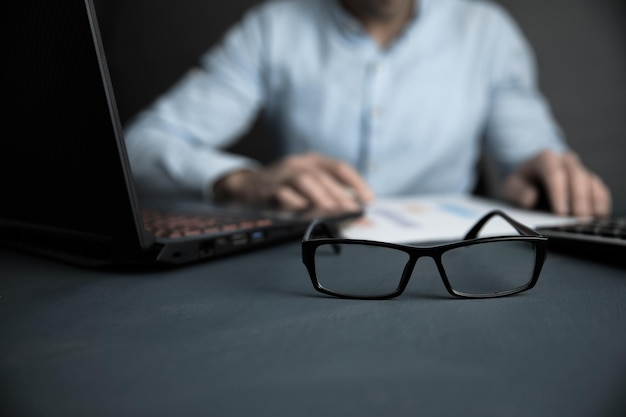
(553, 175)
(580, 187)
(521, 192)
(308, 176)
(601, 197)
(341, 198)
(290, 199)
(308, 185)
(348, 177)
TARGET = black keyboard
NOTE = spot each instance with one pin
(593, 234)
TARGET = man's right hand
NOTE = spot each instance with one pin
(306, 181)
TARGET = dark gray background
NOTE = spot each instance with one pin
(579, 44)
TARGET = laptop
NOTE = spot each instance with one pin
(66, 184)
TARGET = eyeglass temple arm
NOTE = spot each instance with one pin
(320, 225)
(521, 229)
(327, 231)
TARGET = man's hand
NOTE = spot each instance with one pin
(571, 189)
(307, 181)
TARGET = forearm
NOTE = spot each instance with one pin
(166, 165)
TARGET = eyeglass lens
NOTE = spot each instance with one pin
(359, 270)
(490, 267)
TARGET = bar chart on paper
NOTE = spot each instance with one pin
(438, 218)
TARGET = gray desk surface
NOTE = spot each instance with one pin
(248, 336)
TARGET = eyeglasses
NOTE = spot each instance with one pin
(475, 267)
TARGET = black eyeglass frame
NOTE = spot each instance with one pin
(526, 234)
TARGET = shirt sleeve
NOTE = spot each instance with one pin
(174, 145)
(520, 123)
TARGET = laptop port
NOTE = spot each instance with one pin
(239, 239)
(257, 236)
(206, 248)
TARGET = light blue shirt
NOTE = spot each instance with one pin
(411, 117)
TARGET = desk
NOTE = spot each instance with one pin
(248, 336)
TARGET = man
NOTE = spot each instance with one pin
(366, 98)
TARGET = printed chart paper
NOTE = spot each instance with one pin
(439, 218)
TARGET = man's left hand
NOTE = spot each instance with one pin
(571, 189)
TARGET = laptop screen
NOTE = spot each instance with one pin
(61, 165)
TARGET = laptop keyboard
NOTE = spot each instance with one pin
(174, 225)
(610, 231)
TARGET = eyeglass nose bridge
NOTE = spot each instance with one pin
(415, 255)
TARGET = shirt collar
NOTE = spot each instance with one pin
(351, 26)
